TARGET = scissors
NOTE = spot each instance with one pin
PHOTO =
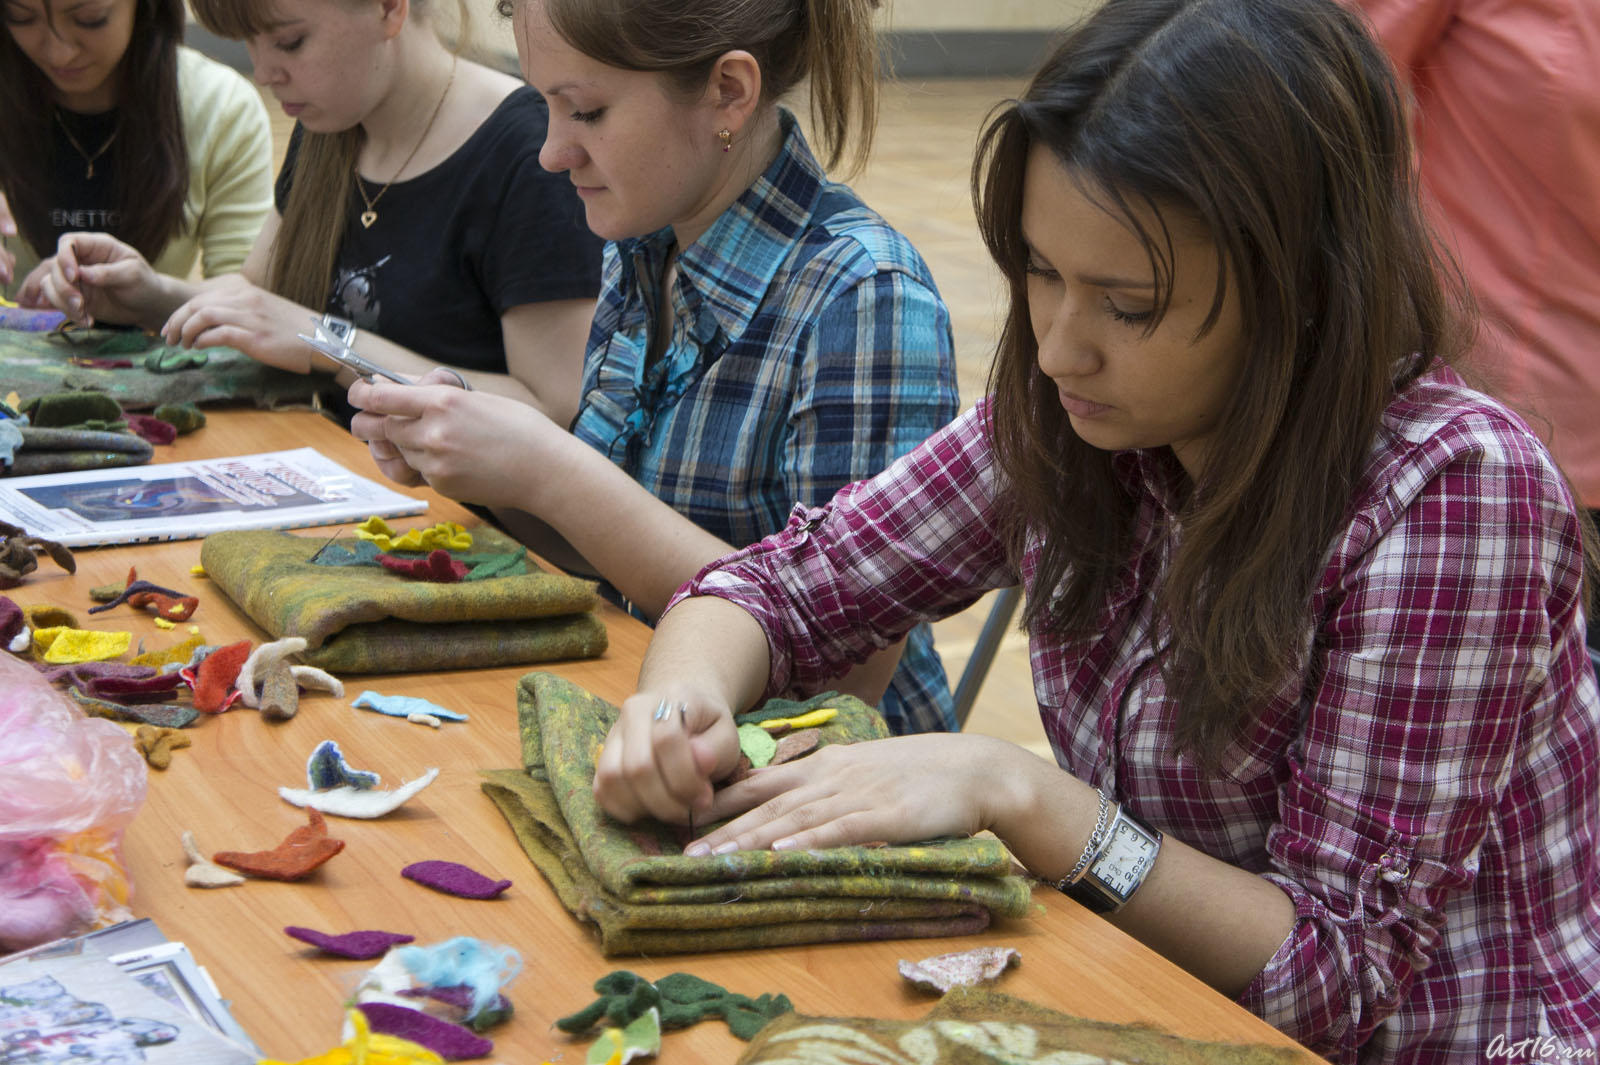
(332, 345)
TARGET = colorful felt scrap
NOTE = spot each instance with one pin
(437, 567)
(756, 744)
(446, 534)
(280, 695)
(450, 1041)
(184, 417)
(454, 879)
(178, 652)
(327, 768)
(640, 1039)
(11, 623)
(254, 670)
(356, 803)
(368, 943)
(202, 871)
(127, 690)
(132, 588)
(458, 999)
(404, 706)
(300, 853)
(166, 607)
(19, 554)
(151, 428)
(810, 719)
(963, 968)
(165, 359)
(214, 679)
(46, 616)
(464, 964)
(163, 715)
(681, 999)
(157, 744)
(60, 645)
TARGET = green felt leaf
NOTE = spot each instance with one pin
(757, 744)
(640, 1039)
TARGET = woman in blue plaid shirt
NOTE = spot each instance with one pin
(762, 339)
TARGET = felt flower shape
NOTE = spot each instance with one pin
(369, 943)
(300, 853)
(438, 567)
(453, 878)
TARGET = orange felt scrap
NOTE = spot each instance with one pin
(173, 608)
(301, 852)
(218, 670)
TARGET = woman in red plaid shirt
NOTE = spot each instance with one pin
(1305, 609)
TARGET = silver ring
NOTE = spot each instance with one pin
(662, 710)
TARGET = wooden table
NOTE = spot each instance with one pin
(289, 997)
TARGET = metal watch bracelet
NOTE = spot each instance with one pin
(1096, 839)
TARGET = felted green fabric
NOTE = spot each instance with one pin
(65, 410)
(973, 1026)
(360, 619)
(635, 885)
(679, 999)
(38, 364)
(62, 450)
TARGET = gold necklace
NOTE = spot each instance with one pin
(88, 159)
(370, 215)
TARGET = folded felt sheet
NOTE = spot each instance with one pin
(972, 1026)
(634, 883)
(366, 619)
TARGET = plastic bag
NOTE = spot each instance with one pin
(69, 786)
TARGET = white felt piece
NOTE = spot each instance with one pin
(425, 719)
(202, 871)
(349, 802)
(260, 661)
(313, 679)
(21, 642)
(965, 968)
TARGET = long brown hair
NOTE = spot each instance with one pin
(833, 41)
(1279, 125)
(318, 209)
(150, 168)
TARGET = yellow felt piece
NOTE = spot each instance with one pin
(65, 646)
(810, 719)
(178, 652)
(367, 1048)
(163, 623)
(13, 400)
(45, 616)
(446, 534)
(198, 571)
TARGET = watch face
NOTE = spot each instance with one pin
(1126, 859)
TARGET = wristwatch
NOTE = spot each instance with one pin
(1119, 866)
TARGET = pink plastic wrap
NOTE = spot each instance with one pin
(69, 785)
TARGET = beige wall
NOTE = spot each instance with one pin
(983, 14)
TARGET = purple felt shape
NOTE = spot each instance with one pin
(450, 1041)
(10, 620)
(370, 943)
(153, 689)
(454, 879)
(81, 674)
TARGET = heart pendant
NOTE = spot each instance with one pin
(367, 218)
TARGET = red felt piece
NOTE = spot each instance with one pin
(302, 851)
(151, 428)
(214, 679)
(438, 567)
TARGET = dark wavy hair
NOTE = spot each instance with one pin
(1280, 126)
(150, 169)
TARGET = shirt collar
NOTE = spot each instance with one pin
(734, 262)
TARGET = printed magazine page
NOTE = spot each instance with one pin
(81, 1007)
(187, 500)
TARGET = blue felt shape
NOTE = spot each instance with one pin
(326, 769)
(404, 706)
(463, 961)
